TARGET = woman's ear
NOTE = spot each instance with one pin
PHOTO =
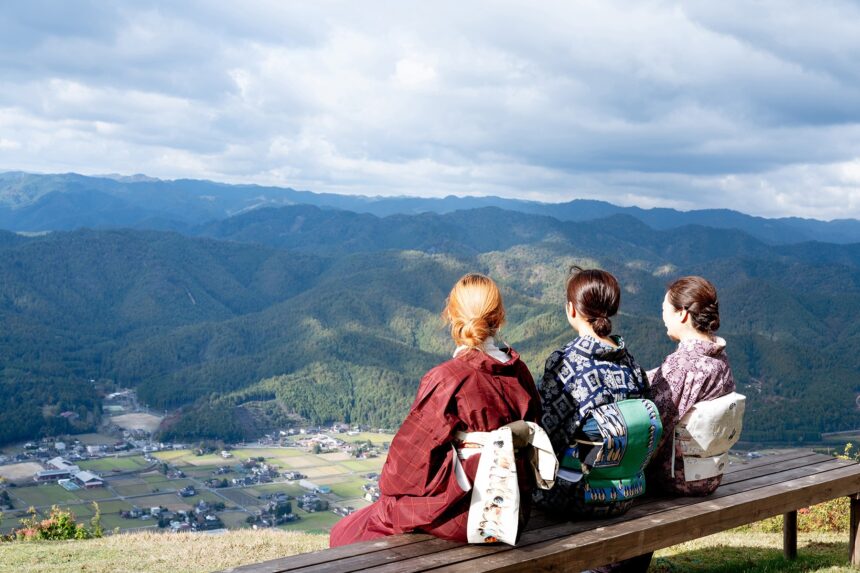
(685, 314)
(571, 310)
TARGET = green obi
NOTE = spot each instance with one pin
(613, 467)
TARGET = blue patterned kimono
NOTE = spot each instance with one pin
(583, 375)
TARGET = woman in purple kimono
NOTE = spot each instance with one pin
(698, 370)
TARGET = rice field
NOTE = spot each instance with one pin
(342, 473)
(41, 495)
(123, 464)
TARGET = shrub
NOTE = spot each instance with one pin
(59, 525)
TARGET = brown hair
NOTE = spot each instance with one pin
(595, 295)
(474, 309)
(698, 297)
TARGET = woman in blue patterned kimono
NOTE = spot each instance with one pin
(592, 370)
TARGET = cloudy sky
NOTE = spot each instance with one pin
(753, 106)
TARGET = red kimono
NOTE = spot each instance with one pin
(419, 491)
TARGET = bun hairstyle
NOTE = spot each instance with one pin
(595, 295)
(474, 309)
(698, 297)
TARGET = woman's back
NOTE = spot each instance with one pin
(698, 370)
(583, 375)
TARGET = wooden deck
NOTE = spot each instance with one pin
(751, 491)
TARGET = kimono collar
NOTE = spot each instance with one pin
(483, 361)
(713, 347)
(489, 348)
(594, 349)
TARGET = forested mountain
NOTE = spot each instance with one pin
(31, 202)
(333, 315)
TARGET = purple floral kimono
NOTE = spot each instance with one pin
(696, 371)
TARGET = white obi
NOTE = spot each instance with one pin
(494, 510)
(706, 433)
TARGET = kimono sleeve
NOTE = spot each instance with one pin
(420, 459)
(559, 409)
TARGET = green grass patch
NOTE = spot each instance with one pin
(364, 466)
(111, 522)
(234, 519)
(116, 505)
(276, 453)
(42, 495)
(240, 497)
(135, 489)
(172, 455)
(350, 489)
(94, 494)
(317, 522)
(292, 489)
(123, 464)
(95, 439)
(375, 439)
(751, 552)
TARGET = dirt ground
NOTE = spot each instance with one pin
(146, 422)
(20, 472)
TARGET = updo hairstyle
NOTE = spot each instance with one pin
(698, 297)
(474, 309)
(595, 295)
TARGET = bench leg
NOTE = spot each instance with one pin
(854, 539)
(789, 535)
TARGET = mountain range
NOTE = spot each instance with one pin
(247, 321)
(34, 203)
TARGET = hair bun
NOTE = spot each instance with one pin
(698, 297)
(474, 310)
(707, 318)
(602, 326)
(475, 331)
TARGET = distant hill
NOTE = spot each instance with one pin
(30, 202)
(334, 315)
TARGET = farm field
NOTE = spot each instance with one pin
(136, 485)
(146, 422)
(123, 464)
(317, 522)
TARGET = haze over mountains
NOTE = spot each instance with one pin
(32, 202)
(327, 306)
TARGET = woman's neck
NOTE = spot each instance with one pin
(693, 335)
(585, 329)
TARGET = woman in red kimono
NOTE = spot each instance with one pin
(479, 390)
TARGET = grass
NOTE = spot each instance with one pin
(42, 495)
(752, 552)
(157, 552)
(125, 464)
(94, 494)
(292, 489)
(375, 439)
(349, 489)
(240, 497)
(95, 439)
(271, 454)
(371, 465)
(319, 522)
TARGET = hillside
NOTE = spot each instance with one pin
(190, 553)
(282, 309)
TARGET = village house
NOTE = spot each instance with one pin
(88, 480)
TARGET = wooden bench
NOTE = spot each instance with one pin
(751, 491)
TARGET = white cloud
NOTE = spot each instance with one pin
(655, 103)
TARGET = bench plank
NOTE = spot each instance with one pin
(416, 552)
(652, 511)
(630, 538)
